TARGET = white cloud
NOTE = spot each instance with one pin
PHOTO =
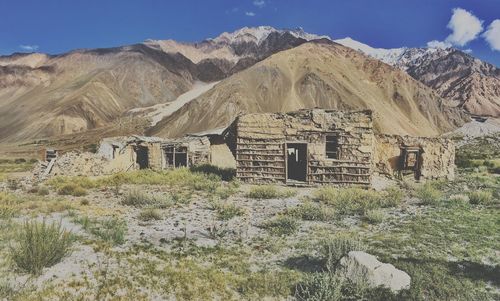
(29, 48)
(259, 3)
(250, 14)
(468, 50)
(492, 35)
(465, 26)
(438, 44)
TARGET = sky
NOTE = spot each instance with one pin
(57, 26)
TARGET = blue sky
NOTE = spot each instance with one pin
(56, 26)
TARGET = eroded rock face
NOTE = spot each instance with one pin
(361, 267)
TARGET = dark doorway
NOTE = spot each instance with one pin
(142, 154)
(411, 161)
(296, 161)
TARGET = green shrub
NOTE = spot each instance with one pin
(269, 192)
(226, 211)
(320, 287)
(281, 225)
(428, 195)
(112, 230)
(310, 211)
(72, 189)
(137, 198)
(150, 214)
(40, 245)
(333, 249)
(349, 200)
(481, 197)
(42, 190)
(374, 216)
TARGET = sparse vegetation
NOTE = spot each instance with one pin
(40, 245)
(111, 230)
(374, 216)
(72, 189)
(138, 198)
(334, 248)
(226, 211)
(269, 192)
(281, 225)
(480, 197)
(354, 200)
(428, 194)
(150, 214)
(311, 211)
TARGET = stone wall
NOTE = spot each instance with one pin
(261, 140)
(437, 155)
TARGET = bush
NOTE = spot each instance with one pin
(374, 216)
(428, 195)
(349, 200)
(42, 190)
(310, 211)
(269, 192)
(481, 197)
(320, 287)
(72, 189)
(281, 225)
(150, 214)
(226, 211)
(333, 249)
(40, 245)
(111, 230)
(138, 198)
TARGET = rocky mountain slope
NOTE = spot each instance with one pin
(318, 74)
(46, 96)
(468, 82)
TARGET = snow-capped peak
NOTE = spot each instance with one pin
(260, 33)
(402, 57)
(388, 56)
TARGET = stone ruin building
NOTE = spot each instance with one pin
(306, 147)
(138, 152)
(330, 147)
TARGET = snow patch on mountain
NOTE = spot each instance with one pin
(258, 34)
(402, 57)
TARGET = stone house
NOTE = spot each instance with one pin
(139, 152)
(321, 147)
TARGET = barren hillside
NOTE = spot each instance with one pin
(322, 75)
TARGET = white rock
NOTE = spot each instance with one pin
(361, 267)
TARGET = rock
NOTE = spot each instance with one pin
(361, 267)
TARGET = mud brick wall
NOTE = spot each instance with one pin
(438, 155)
(261, 154)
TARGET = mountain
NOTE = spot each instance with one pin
(51, 95)
(468, 82)
(318, 74)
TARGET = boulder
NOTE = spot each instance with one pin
(361, 267)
